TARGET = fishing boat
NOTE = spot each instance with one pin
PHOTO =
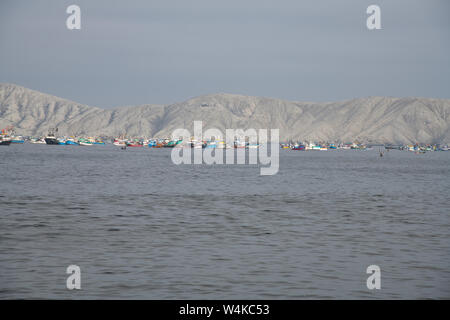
(8, 136)
(119, 142)
(98, 142)
(5, 137)
(71, 141)
(312, 146)
(37, 141)
(221, 145)
(211, 145)
(252, 146)
(178, 142)
(50, 138)
(299, 147)
(197, 144)
(17, 139)
(167, 143)
(347, 146)
(170, 144)
(239, 144)
(5, 140)
(85, 142)
(158, 144)
(135, 143)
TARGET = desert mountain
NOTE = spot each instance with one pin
(376, 119)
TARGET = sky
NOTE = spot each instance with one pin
(165, 51)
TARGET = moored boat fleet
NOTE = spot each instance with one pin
(418, 148)
(324, 146)
(8, 137)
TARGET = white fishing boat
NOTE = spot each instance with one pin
(37, 141)
(119, 143)
(239, 144)
(5, 139)
(86, 142)
(312, 146)
(221, 145)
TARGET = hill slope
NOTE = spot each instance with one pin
(377, 119)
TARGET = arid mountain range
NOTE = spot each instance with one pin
(372, 119)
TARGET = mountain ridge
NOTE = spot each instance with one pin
(373, 119)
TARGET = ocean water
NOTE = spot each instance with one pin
(141, 227)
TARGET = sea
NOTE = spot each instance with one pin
(140, 227)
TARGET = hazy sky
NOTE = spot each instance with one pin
(164, 51)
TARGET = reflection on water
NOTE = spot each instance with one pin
(141, 227)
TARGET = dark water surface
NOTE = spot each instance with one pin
(140, 227)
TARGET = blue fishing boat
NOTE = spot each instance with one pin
(211, 144)
(71, 142)
(17, 139)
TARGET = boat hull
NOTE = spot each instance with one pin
(51, 141)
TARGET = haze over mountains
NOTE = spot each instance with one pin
(372, 119)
